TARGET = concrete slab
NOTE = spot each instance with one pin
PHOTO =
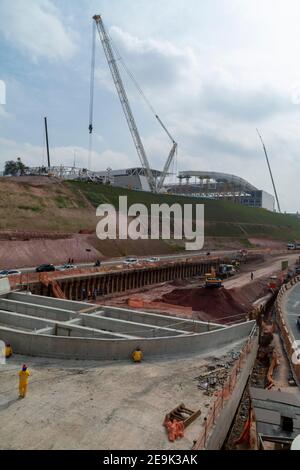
(96, 405)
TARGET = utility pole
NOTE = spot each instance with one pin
(47, 143)
(272, 179)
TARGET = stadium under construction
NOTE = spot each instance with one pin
(202, 184)
(215, 185)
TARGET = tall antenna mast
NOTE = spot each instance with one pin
(268, 163)
(47, 142)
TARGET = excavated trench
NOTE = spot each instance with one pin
(270, 341)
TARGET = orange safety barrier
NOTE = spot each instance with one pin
(135, 303)
(56, 289)
(245, 436)
(273, 365)
(223, 395)
(175, 429)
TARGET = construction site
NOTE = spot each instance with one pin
(208, 349)
(137, 343)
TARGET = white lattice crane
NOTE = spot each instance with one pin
(154, 185)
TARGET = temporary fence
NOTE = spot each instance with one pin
(222, 396)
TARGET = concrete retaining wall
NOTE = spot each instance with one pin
(71, 305)
(35, 310)
(93, 348)
(131, 328)
(76, 286)
(75, 331)
(286, 332)
(22, 321)
(4, 286)
(159, 320)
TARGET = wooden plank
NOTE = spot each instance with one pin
(283, 409)
(267, 416)
(274, 396)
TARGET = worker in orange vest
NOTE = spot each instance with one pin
(137, 355)
(23, 381)
(8, 350)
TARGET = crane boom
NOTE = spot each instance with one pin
(270, 171)
(164, 127)
(170, 156)
(166, 167)
(124, 101)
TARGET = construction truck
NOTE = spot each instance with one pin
(211, 280)
(226, 270)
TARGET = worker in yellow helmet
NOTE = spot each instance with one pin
(8, 350)
(23, 381)
(137, 355)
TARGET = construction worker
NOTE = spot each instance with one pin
(23, 381)
(137, 355)
(8, 350)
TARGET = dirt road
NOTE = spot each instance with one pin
(260, 270)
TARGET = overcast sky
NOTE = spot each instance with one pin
(214, 70)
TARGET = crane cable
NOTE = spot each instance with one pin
(92, 86)
(130, 74)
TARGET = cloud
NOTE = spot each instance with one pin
(4, 113)
(35, 28)
(194, 77)
(156, 64)
(213, 71)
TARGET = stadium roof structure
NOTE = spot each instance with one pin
(219, 178)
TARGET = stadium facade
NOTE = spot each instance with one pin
(132, 178)
(215, 185)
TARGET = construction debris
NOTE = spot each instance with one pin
(216, 375)
(178, 419)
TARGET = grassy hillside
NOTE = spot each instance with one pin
(45, 204)
(222, 218)
(41, 204)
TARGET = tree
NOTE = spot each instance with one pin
(14, 168)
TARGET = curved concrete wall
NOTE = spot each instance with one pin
(285, 329)
(106, 349)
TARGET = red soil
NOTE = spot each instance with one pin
(216, 303)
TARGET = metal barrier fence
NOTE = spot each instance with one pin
(223, 395)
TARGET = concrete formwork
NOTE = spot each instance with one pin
(108, 333)
(110, 349)
(157, 319)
